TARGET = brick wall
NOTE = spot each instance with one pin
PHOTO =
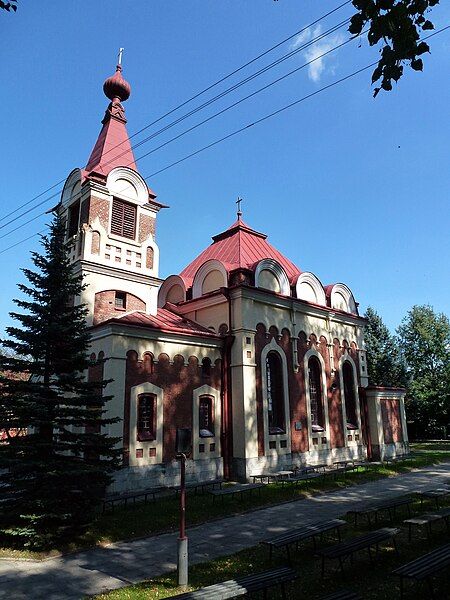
(392, 423)
(99, 208)
(297, 384)
(104, 305)
(178, 382)
(146, 227)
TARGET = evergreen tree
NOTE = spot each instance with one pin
(384, 361)
(54, 475)
(425, 342)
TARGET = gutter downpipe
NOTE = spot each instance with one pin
(226, 433)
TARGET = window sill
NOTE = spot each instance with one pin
(141, 438)
(119, 238)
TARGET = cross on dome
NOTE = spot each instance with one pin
(239, 211)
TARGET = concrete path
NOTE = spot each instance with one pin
(101, 569)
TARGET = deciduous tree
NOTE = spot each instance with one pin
(425, 343)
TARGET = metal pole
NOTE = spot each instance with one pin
(182, 540)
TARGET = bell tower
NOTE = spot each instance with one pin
(111, 219)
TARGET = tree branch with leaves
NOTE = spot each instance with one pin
(397, 25)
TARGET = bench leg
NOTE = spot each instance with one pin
(341, 564)
(409, 531)
(283, 591)
(288, 554)
(430, 587)
(401, 588)
(394, 545)
(323, 566)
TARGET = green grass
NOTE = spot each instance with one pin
(142, 519)
(372, 581)
(437, 446)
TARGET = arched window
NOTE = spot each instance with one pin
(349, 395)
(146, 417)
(275, 393)
(206, 416)
(316, 394)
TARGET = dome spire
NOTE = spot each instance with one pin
(113, 147)
(116, 88)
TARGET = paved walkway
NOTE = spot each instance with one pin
(94, 571)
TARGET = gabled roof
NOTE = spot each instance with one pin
(239, 246)
(164, 320)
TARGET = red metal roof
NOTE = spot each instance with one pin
(239, 247)
(112, 148)
(164, 320)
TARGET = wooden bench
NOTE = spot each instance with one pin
(238, 488)
(364, 542)
(424, 567)
(433, 495)
(387, 505)
(199, 485)
(241, 586)
(276, 476)
(307, 476)
(294, 536)
(142, 495)
(342, 595)
(427, 519)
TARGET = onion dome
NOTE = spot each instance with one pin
(116, 86)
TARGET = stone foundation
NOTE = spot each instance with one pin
(243, 469)
(130, 479)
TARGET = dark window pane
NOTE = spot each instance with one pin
(120, 300)
(74, 215)
(275, 393)
(205, 417)
(315, 394)
(349, 395)
(146, 417)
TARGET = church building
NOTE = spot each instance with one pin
(264, 363)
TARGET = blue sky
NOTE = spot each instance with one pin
(352, 188)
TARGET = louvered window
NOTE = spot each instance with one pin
(123, 221)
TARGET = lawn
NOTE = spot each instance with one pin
(142, 519)
(373, 581)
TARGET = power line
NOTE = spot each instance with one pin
(214, 99)
(257, 122)
(22, 241)
(261, 89)
(246, 127)
(195, 96)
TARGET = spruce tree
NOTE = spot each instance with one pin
(53, 475)
(384, 361)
